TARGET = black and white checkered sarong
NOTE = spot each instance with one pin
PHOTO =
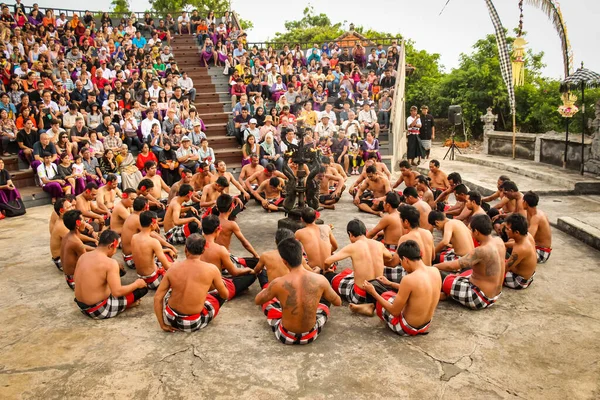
(460, 288)
(394, 274)
(190, 323)
(109, 308)
(398, 324)
(273, 311)
(175, 235)
(514, 281)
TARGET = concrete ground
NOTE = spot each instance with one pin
(538, 343)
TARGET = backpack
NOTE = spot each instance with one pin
(13, 208)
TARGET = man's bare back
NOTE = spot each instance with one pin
(317, 243)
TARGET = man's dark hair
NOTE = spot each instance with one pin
(274, 182)
(411, 191)
(509, 186)
(518, 223)
(475, 196)
(270, 167)
(435, 162)
(130, 191)
(291, 252)
(325, 159)
(356, 228)
(410, 214)
(140, 203)
(91, 185)
(70, 219)
(393, 199)
(147, 183)
(111, 178)
(461, 189)
(371, 169)
(107, 238)
(435, 216)
(404, 164)
(455, 178)
(308, 215)
(224, 202)
(482, 224)
(194, 227)
(410, 250)
(149, 164)
(503, 178)
(492, 212)
(210, 224)
(195, 244)
(59, 205)
(371, 156)
(146, 218)
(531, 198)
(282, 234)
(184, 190)
(222, 181)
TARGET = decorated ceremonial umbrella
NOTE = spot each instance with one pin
(581, 79)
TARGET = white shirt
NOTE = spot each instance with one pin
(330, 114)
(185, 84)
(415, 129)
(254, 132)
(146, 127)
(48, 172)
(183, 20)
(325, 130)
(367, 116)
(154, 92)
(353, 128)
(284, 147)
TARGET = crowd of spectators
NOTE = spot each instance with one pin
(75, 92)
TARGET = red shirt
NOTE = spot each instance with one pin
(100, 83)
(141, 160)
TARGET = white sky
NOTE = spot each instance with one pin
(454, 32)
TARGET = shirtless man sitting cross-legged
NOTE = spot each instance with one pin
(539, 227)
(371, 193)
(72, 246)
(182, 301)
(297, 304)
(456, 241)
(121, 210)
(521, 265)
(367, 256)
(173, 214)
(225, 206)
(147, 250)
(107, 194)
(59, 230)
(237, 277)
(270, 264)
(271, 190)
(317, 240)
(409, 311)
(98, 290)
(480, 285)
(389, 229)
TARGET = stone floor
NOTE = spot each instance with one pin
(539, 343)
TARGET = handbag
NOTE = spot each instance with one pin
(13, 208)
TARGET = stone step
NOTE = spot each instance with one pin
(579, 184)
(218, 142)
(212, 118)
(581, 230)
(34, 196)
(484, 179)
(23, 178)
(209, 97)
(11, 163)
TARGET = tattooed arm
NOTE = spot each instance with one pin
(513, 261)
(466, 262)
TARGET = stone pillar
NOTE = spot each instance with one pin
(488, 127)
(593, 163)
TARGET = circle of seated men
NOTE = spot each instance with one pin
(398, 272)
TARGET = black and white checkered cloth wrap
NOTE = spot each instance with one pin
(398, 324)
(58, 263)
(238, 264)
(190, 323)
(108, 308)
(469, 295)
(154, 279)
(175, 235)
(394, 274)
(543, 254)
(70, 281)
(514, 281)
(273, 311)
(504, 55)
(128, 258)
(343, 284)
(447, 255)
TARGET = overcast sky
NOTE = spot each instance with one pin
(452, 33)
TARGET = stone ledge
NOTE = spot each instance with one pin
(580, 230)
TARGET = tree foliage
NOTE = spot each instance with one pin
(120, 6)
(203, 6)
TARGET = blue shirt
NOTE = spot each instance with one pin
(139, 43)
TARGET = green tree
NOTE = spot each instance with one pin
(120, 6)
(203, 6)
(310, 28)
(246, 24)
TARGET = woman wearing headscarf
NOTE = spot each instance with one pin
(270, 152)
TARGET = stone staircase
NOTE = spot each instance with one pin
(23, 178)
(212, 99)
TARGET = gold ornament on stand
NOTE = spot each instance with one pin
(568, 108)
(518, 63)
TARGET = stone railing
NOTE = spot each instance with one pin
(397, 135)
